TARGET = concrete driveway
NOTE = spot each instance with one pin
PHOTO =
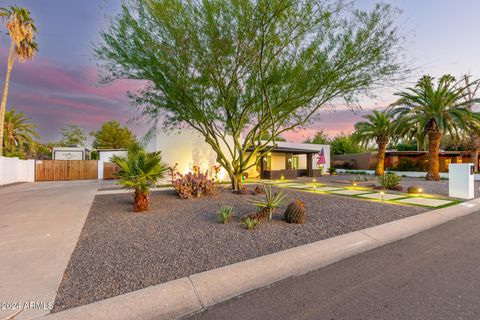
(39, 227)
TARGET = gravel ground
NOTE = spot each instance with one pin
(120, 251)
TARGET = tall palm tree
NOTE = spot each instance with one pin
(19, 131)
(379, 128)
(472, 89)
(437, 109)
(140, 170)
(23, 46)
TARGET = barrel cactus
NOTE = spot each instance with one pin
(295, 212)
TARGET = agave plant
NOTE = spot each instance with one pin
(270, 202)
(139, 171)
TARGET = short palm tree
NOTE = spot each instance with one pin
(19, 131)
(23, 46)
(140, 170)
(437, 109)
(379, 128)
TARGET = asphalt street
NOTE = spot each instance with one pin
(432, 275)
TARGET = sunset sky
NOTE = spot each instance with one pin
(60, 86)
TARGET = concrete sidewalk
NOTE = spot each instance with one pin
(39, 227)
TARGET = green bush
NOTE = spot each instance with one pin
(389, 180)
(332, 170)
(225, 214)
(407, 164)
(414, 189)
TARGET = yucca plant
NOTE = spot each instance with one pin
(225, 214)
(139, 171)
(270, 202)
(250, 223)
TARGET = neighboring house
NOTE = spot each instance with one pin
(107, 169)
(70, 153)
(289, 160)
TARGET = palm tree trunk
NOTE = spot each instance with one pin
(434, 138)
(474, 157)
(475, 151)
(380, 168)
(140, 202)
(3, 105)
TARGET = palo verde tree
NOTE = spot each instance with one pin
(237, 71)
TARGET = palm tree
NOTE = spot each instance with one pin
(19, 131)
(380, 128)
(440, 109)
(23, 46)
(139, 171)
(472, 89)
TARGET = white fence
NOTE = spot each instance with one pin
(14, 170)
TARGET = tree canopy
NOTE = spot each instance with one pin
(72, 135)
(112, 135)
(320, 137)
(235, 70)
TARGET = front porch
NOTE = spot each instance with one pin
(291, 163)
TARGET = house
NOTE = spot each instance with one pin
(70, 153)
(288, 160)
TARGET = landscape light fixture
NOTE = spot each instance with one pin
(354, 186)
(382, 193)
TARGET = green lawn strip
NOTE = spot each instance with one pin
(452, 203)
(311, 189)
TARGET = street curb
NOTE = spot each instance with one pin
(181, 297)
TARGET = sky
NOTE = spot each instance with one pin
(60, 87)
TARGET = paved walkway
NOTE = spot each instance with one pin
(434, 275)
(39, 227)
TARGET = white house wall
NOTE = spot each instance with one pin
(188, 148)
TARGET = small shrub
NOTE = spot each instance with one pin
(332, 171)
(272, 201)
(193, 185)
(225, 214)
(407, 164)
(295, 212)
(389, 181)
(414, 189)
(250, 223)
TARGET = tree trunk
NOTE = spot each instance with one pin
(140, 202)
(237, 183)
(380, 168)
(475, 151)
(3, 105)
(474, 158)
(434, 138)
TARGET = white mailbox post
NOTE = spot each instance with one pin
(461, 180)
